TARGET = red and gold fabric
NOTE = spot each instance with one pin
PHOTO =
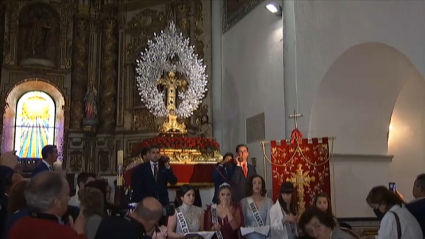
(305, 163)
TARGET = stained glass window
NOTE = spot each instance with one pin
(35, 124)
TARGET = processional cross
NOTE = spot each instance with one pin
(301, 179)
(295, 116)
(171, 82)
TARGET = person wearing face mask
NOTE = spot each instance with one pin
(283, 214)
(187, 217)
(318, 224)
(256, 207)
(397, 222)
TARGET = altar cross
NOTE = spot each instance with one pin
(171, 82)
(295, 116)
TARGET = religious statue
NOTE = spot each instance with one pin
(37, 36)
(90, 102)
(205, 128)
(171, 83)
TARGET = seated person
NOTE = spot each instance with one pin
(192, 217)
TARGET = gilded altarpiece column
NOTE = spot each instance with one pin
(79, 69)
(109, 75)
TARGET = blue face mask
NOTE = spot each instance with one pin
(378, 213)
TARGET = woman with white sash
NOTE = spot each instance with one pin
(255, 209)
(283, 214)
(225, 217)
(187, 218)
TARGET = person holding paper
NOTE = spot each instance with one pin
(255, 209)
(283, 214)
(187, 218)
(225, 217)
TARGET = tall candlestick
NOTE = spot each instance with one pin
(120, 162)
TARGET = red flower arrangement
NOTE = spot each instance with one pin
(202, 144)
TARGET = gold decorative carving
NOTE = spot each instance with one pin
(141, 28)
(79, 71)
(108, 79)
(76, 161)
(143, 120)
(103, 157)
(39, 29)
(65, 10)
(191, 156)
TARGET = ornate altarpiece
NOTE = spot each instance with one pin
(74, 46)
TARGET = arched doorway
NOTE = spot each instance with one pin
(357, 95)
(34, 116)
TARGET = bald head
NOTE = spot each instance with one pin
(149, 209)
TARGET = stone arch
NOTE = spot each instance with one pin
(356, 97)
(12, 97)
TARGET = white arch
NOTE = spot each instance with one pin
(356, 97)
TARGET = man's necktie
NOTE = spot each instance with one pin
(50, 168)
(155, 171)
(245, 169)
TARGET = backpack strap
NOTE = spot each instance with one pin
(397, 220)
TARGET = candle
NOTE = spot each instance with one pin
(120, 162)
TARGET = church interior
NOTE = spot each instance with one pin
(335, 86)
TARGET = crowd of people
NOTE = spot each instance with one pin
(41, 207)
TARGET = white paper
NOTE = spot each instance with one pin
(205, 235)
(260, 230)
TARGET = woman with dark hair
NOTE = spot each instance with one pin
(223, 173)
(321, 225)
(187, 217)
(283, 214)
(323, 202)
(225, 217)
(256, 207)
(103, 186)
(398, 222)
(92, 206)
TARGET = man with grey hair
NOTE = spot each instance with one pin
(141, 223)
(47, 196)
(417, 206)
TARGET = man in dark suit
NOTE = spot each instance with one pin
(151, 178)
(242, 173)
(50, 155)
(417, 206)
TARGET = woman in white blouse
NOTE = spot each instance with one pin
(283, 214)
(398, 222)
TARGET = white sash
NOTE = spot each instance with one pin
(182, 221)
(255, 212)
(214, 220)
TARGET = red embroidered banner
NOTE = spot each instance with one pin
(305, 163)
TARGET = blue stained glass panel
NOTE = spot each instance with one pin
(35, 124)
